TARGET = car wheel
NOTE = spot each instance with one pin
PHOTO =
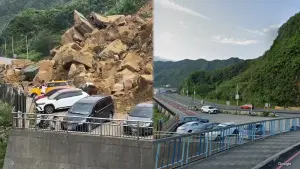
(49, 109)
(209, 112)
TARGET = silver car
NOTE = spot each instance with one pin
(194, 127)
(140, 120)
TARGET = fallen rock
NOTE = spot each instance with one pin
(118, 87)
(105, 85)
(67, 55)
(149, 68)
(132, 62)
(76, 69)
(102, 21)
(114, 48)
(82, 25)
(45, 71)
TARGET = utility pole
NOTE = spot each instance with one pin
(12, 46)
(27, 45)
(5, 47)
(237, 97)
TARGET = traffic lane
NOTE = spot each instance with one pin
(237, 119)
(222, 118)
(291, 162)
(189, 101)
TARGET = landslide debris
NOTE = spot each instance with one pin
(113, 52)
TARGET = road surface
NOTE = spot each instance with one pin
(189, 101)
(220, 118)
(290, 162)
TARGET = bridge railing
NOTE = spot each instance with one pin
(132, 129)
(182, 149)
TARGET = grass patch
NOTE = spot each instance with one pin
(5, 125)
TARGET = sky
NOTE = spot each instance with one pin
(218, 29)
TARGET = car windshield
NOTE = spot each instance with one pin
(52, 92)
(142, 112)
(81, 108)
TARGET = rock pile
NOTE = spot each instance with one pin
(113, 52)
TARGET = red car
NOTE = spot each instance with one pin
(247, 106)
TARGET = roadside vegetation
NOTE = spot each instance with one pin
(44, 25)
(5, 125)
(158, 116)
(272, 78)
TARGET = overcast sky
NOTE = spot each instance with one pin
(218, 29)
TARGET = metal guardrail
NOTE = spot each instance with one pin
(14, 97)
(88, 125)
(180, 150)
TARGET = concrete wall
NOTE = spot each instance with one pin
(28, 149)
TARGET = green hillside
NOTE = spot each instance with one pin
(174, 72)
(44, 21)
(272, 78)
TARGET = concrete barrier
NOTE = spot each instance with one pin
(29, 149)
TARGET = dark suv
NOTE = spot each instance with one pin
(92, 106)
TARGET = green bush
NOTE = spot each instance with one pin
(5, 124)
(265, 114)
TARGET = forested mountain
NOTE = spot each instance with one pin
(272, 78)
(175, 72)
(44, 21)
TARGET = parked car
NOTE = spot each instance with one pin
(49, 93)
(247, 106)
(142, 114)
(62, 99)
(92, 106)
(187, 119)
(209, 109)
(219, 135)
(294, 128)
(195, 126)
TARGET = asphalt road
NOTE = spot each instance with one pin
(291, 162)
(190, 101)
(220, 118)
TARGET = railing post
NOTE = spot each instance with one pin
(157, 155)
(183, 150)
(138, 130)
(187, 149)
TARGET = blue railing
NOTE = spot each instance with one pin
(181, 150)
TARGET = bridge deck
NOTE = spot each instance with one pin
(248, 155)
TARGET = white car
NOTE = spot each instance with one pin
(209, 109)
(221, 134)
(62, 99)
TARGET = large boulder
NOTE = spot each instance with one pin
(76, 69)
(109, 68)
(21, 62)
(82, 25)
(105, 85)
(45, 71)
(114, 48)
(68, 55)
(71, 35)
(102, 21)
(132, 62)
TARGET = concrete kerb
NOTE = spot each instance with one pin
(275, 159)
